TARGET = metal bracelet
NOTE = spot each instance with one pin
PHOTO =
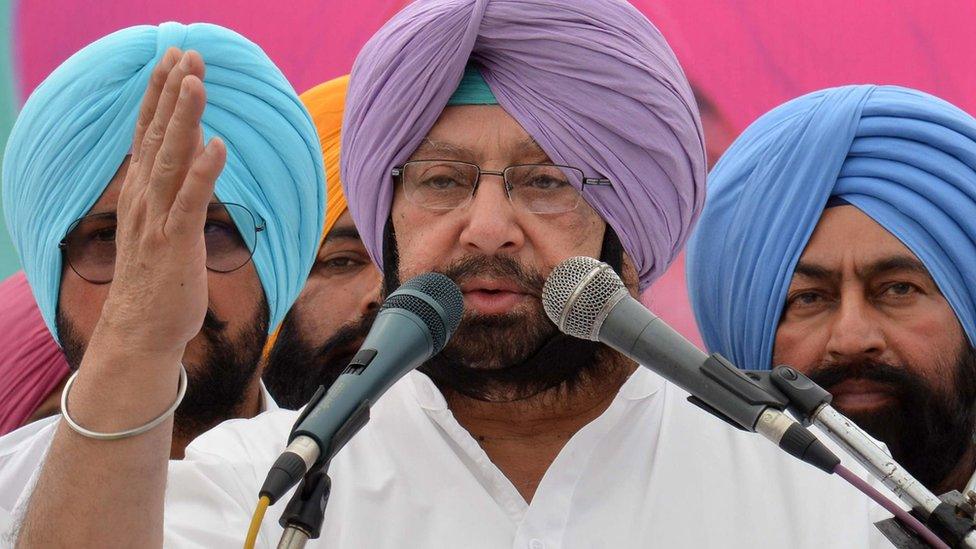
(181, 391)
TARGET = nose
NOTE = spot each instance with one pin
(856, 333)
(492, 222)
(373, 296)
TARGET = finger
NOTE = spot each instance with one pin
(190, 63)
(189, 212)
(176, 155)
(155, 87)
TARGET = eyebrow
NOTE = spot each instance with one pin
(894, 263)
(343, 233)
(882, 266)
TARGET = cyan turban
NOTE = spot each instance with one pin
(904, 158)
(592, 81)
(76, 129)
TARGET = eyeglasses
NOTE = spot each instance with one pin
(535, 188)
(230, 236)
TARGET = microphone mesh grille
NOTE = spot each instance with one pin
(577, 293)
(427, 314)
(438, 288)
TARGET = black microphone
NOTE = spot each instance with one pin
(414, 323)
(585, 298)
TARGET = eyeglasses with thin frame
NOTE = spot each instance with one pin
(535, 188)
(230, 236)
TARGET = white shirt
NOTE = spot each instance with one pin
(21, 453)
(651, 471)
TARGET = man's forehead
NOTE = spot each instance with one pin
(469, 131)
(847, 237)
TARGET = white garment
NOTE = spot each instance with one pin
(21, 454)
(651, 471)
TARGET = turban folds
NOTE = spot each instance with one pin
(592, 81)
(904, 158)
(76, 129)
(325, 104)
(31, 364)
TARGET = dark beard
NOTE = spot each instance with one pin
(217, 388)
(514, 356)
(927, 432)
(296, 369)
(526, 355)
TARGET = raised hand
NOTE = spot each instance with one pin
(158, 298)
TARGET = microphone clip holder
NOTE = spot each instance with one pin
(303, 516)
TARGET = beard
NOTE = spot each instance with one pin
(511, 356)
(927, 430)
(217, 388)
(295, 368)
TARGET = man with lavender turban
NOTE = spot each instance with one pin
(885, 177)
(634, 121)
(516, 435)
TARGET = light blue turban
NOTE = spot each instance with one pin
(903, 157)
(76, 129)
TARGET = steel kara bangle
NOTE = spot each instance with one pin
(180, 393)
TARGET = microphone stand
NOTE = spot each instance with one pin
(951, 517)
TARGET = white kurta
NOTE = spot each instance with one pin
(21, 454)
(651, 471)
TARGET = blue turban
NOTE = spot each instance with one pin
(76, 129)
(904, 158)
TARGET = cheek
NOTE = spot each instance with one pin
(235, 297)
(424, 240)
(929, 340)
(555, 239)
(802, 347)
(81, 303)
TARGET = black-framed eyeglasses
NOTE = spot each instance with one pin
(535, 188)
(230, 235)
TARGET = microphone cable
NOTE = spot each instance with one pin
(256, 519)
(902, 515)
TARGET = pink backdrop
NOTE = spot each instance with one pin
(743, 57)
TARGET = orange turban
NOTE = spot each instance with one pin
(325, 103)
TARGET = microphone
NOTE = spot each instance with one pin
(413, 324)
(585, 298)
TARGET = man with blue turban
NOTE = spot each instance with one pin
(490, 140)
(163, 243)
(839, 237)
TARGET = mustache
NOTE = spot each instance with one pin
(529, 280)
(212, 324)
(829, 374)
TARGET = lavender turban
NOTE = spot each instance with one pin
(592, 81)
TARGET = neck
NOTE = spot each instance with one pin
(249, 407)
(960, 475)
(523, 437)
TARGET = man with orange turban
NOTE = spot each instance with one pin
(335, 310)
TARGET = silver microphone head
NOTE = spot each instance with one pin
(579, 294)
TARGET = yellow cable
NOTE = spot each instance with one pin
(252, 531)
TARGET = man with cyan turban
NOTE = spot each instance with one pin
(163, 242)
(490, 140)
(840, 237)
(332, 315)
